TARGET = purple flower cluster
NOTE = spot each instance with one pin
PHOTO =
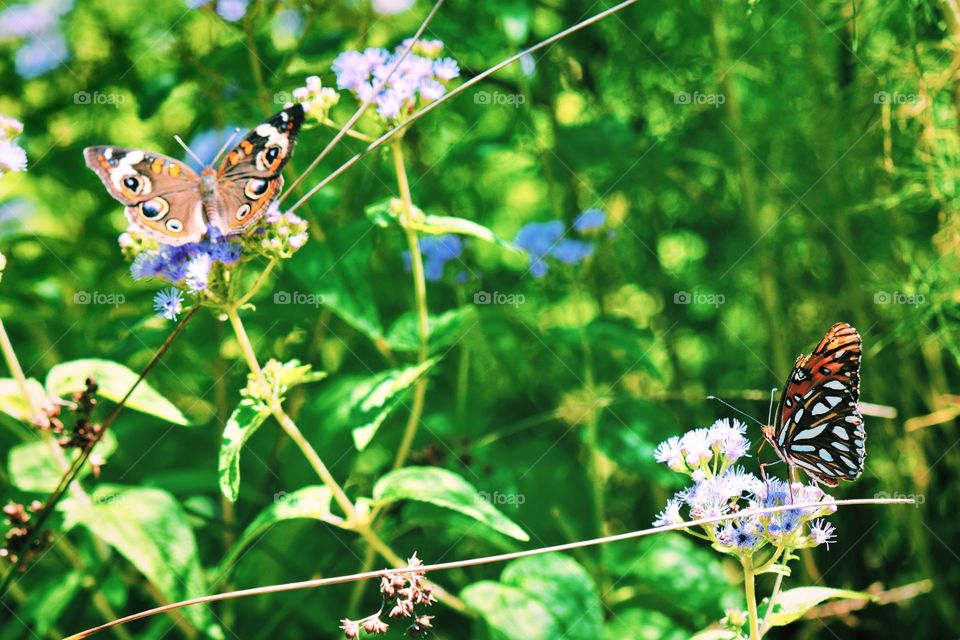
(422, 76)
(280, 235)
(44, 47)
(188, 265)
(437, 251)
(719, 487)
(544, 240)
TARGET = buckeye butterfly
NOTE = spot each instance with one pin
(817, 426)
(167, 201)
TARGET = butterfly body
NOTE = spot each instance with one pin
(818, 427)
(168, 201)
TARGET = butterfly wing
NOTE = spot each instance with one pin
(161, 195)
(249, 177)
(818, 427)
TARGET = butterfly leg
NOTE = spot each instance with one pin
(763, 473)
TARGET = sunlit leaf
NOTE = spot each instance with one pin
(445, 489)
(113, 380)
(792, 604)
(511, 612)
(32, 467)
(150, 529)
(444, 329)
(241, 425)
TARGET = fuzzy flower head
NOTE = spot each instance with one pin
(418, 79)
(12, 155)
(168, 303)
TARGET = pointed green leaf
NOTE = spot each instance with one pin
(150, 529)
(791, 605)
(113, 381)
(306, 503)
(241, 425)
(445, 489)
(443, 330)
(438, 225)
(511, 612)
(373, 399)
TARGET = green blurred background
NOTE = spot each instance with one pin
(767, 169)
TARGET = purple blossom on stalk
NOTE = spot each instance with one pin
(418, 78)
(545, 240)
(822, 533)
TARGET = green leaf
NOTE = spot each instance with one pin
(445, 489)
(563, 585)
(113, 381)
(373, 399)
(49, 600)
(511, 612)
(337, 271)
(306, 503)
(644, 624)
(444, 329)
(241, 425)
(791, 605)
(32, 466)
(150, 530)
(12, 401)
(438, 225)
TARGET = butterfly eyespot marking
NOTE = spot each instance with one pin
(255, 188)
(243, 211)
(174, 225)
(154, 209)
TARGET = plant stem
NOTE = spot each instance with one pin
(750, 593)
(17, 371)
(765, 626)
(256, 285)
(420, 291)
(361, 527)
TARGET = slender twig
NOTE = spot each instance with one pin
(261, 279)
(363, 105)
(455, 92)
(749, 592)
(322, 582)
(77, 465)
(765, 625)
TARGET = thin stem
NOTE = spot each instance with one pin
(354, 522)
(765, 625)
(749, 592)
(420, 291)
(261, 279)
(321, 582)
(17, 372)
(350, 132)
(455, 92)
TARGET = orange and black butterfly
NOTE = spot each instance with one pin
(817, 426)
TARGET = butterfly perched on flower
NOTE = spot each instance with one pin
(169, 202)
(817, 426)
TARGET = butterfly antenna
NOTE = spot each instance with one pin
(188, 150)
(225, 146)
(773, 392)
(743, 413)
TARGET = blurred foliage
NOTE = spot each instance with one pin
(767, 169)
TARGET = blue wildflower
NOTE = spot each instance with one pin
(589, 220)
(437, 251)
(44, 47)
(537, 238)
(572, 251)
(229, 10)
(168, 303)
